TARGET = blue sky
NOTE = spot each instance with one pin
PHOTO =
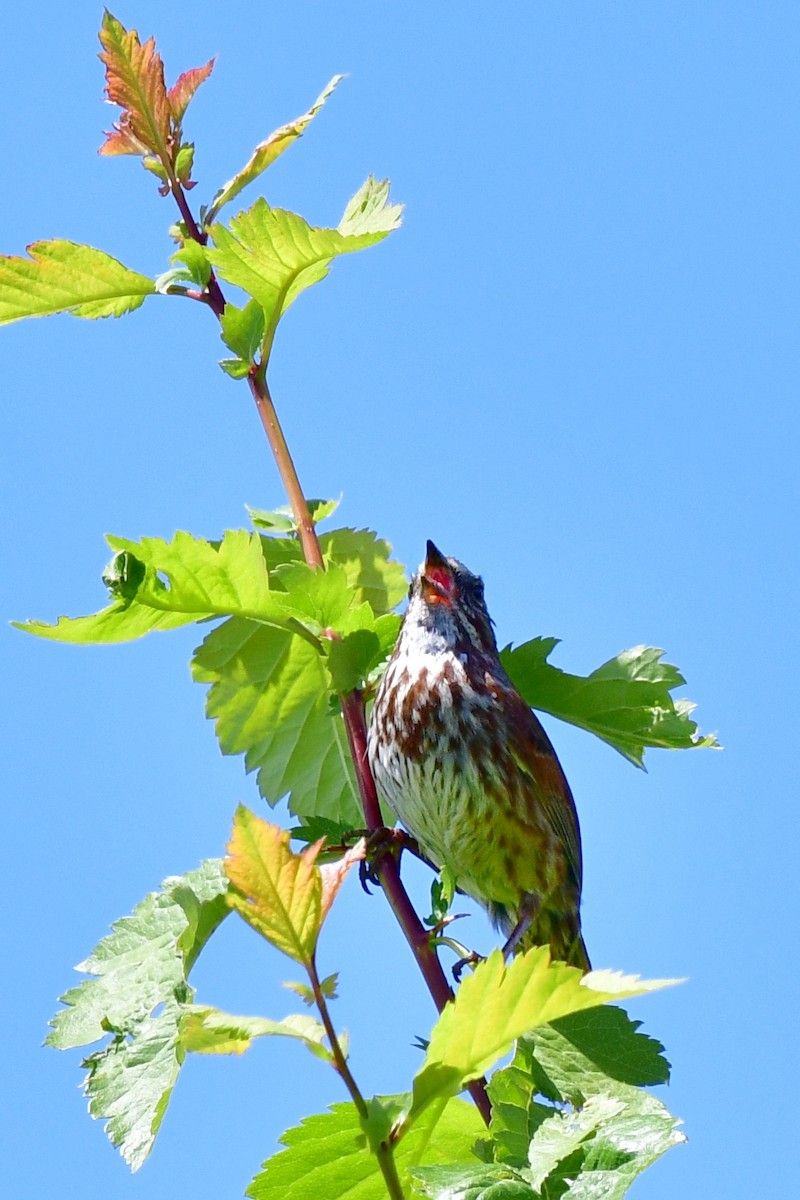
(575, 368)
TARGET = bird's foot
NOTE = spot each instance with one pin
(469, 960)
(380, 842)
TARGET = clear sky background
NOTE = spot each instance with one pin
(575, 368)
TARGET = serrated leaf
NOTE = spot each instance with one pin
(129, 1084)
(236, 368)
(281, 520)
(242, 329)
(365, 558)
(577, 1055)
(141, 965)
(178, 583)
(267, 151)
(328, 1154)
(564, 1132)
(182, 92)
(626, 702)
(134, 81)
(278, 892)
(194, 257)
(369, 210)
(499, 1003)
(61, 276)
(274, 255)
(269, 701)
(208, 1031)
(314, 828)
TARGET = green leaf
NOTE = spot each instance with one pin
(209, 1031)
(328, 987)
(328, 1154)
(275, 255)
(243, 329)
(467, 1181)
(236, 368)
(269, 701)
(369, 210)
(627, 701)
(277, 892)
(499, 1003)
(590, 1061)
(267, 151)
(162, 585)
(141, 965)
(195, 259)
(62, 276)
(377, 578)
(281, 520)
(577, 1055)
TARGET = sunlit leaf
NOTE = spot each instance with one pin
(138, 986)
(61, 276)
(627, 701)
(499, 1003)
(183, 90)
(267, 151)
(328, 1154)
(208, 1031)
(274, 255)
(135, 81)
(278, 892)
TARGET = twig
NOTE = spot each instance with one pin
(383, 1150)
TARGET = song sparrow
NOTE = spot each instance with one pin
(468, 769)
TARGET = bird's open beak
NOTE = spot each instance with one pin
(438, 582)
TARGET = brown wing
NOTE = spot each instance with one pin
(535, 754)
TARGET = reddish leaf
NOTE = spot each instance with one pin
(184, 89)
(135, 81)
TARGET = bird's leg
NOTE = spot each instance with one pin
(381, 841)
(529, 910)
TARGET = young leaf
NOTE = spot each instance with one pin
(209, 1031)
(275, 255)
(243, 329)
(193, 255)
(328, 1154)
(141, 965)
(267, 151)
(62, 276)
(182, 92)
(498, 1004)
(626, 701)
(281, 520)
(277, 892)
(203, 579)
(377, 578)
(269, 701)
(135, 81)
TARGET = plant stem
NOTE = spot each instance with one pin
(286, 467)
(352, 705)
(383, 1150)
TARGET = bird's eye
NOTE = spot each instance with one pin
(410, 589)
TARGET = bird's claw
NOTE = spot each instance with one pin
(469, 960)
(380, 842)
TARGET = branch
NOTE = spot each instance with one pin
(383, 1151)
(352, 704)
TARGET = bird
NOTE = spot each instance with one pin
(467, 768)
